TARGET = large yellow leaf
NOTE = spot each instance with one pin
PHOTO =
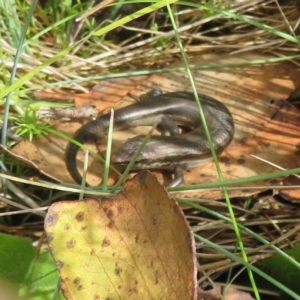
(137, 245)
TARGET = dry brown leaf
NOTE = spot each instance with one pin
(234, 294)
(102, 96)
(292, 195)
(231, 294)
(27, 159)
(137, 245)
(265, 126)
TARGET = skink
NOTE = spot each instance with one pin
(171, 151)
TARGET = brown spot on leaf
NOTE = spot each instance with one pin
(76, 281)
(120, 209)
(110, 213)
(80, 216)
(298, 146)
(79, 288)
(51, 218)
(105, 242)
(118, 271)
(297, 152)
(67, 227)
(224, 159)
(111, 224)
(83, 228)
(92, 252)
(96, 297)
(133, 291)
(241, 161)
(71, 243)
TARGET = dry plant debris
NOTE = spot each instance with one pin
(265, 125)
